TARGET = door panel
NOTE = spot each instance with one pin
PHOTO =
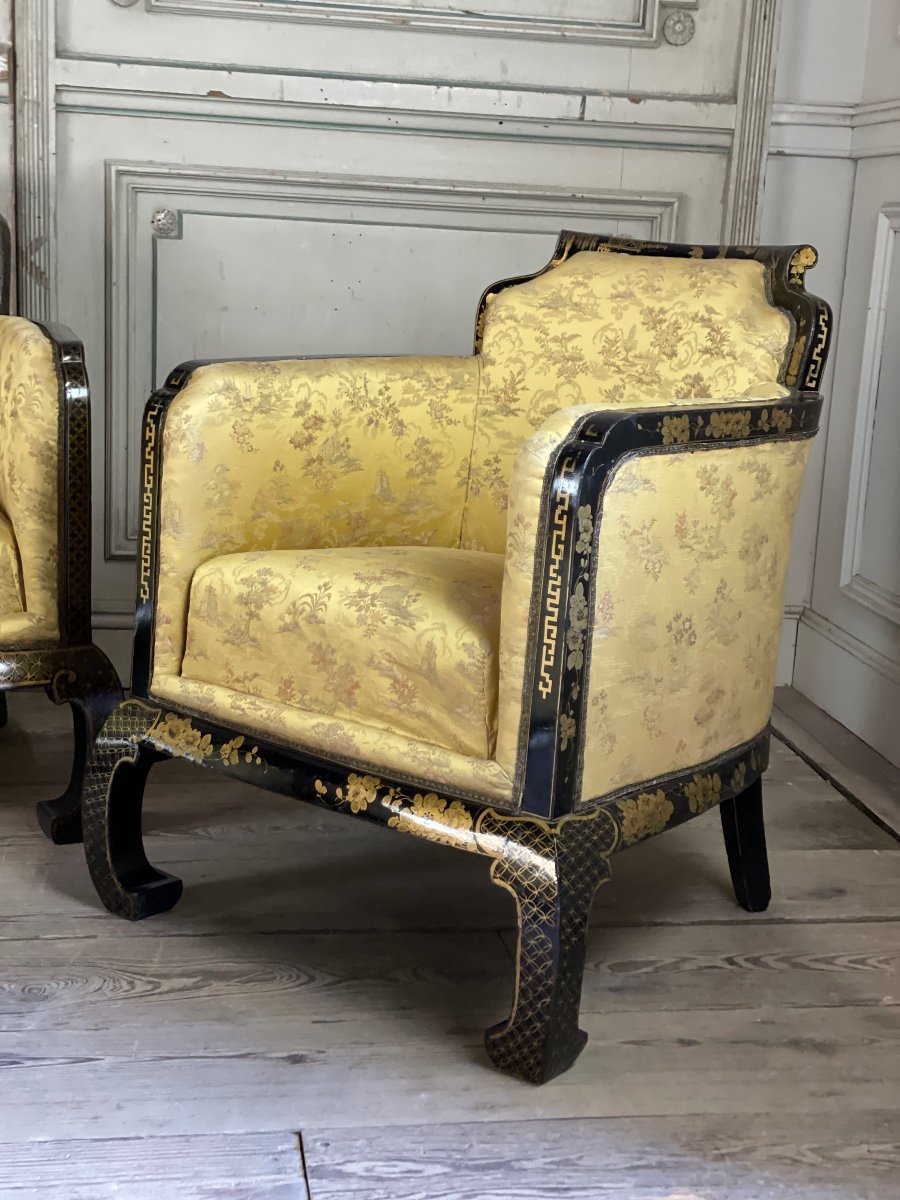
(874, 551)
(848, 644)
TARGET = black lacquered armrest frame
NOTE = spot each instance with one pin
(581, 470)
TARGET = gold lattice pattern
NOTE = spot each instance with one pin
(553, 871)
(118, 742)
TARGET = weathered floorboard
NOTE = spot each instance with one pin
(430, 1068)
(242, 1167)
(650, 1158)
(291, 978)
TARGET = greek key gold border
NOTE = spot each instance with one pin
(149, 478)
(817, 358)
(553, 592)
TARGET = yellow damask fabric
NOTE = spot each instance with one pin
(691, 564)
(29, 438)
(308, 454)
(10, 575)
(614, 331)
(402, 639)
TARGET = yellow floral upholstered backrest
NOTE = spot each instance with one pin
(617, 331)
(29, 454)
(307, 454)
(692, 555)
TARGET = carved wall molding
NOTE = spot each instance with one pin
(400, 108)
(806, 130)
(643, 28)
(756, 83)
(35, 121)
(678, 28)
(854, 131)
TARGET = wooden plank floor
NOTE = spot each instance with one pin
(308, 1021)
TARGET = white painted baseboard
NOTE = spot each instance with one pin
(868, 699)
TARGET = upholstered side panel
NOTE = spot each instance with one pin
(306, 454)
(691, 558)
(615, 331)
(400, 638)
(29, 464)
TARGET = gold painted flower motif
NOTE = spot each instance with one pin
(585, 530)
(361, 791)
(644, 815)
(180, 735)
(675, 429)
(728, 424)
(801, 261)
(703, 792)
(432, 817)
(777, 419)
(567, 728)
(575, 634)
(738, 779)
(228, 751)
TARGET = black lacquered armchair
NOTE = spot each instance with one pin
(525, 603)
(45, 543)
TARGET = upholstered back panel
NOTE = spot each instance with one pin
(305, 454)
(692, 553)
(616, 331)
(29, 437)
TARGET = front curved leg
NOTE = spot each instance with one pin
(553, 873)
(125, 880)
(92, 689)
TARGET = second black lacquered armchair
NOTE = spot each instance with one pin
(525, 603)
(45, 544)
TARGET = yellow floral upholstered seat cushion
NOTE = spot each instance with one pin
(614, 331)
(10, 574)
(401, 639)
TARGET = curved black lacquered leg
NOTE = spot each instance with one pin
(4, 715)
(111, 812)
(92, 690)
(745, 843)
(553, 872)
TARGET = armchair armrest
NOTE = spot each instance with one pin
(299, 453)
(646, 555)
